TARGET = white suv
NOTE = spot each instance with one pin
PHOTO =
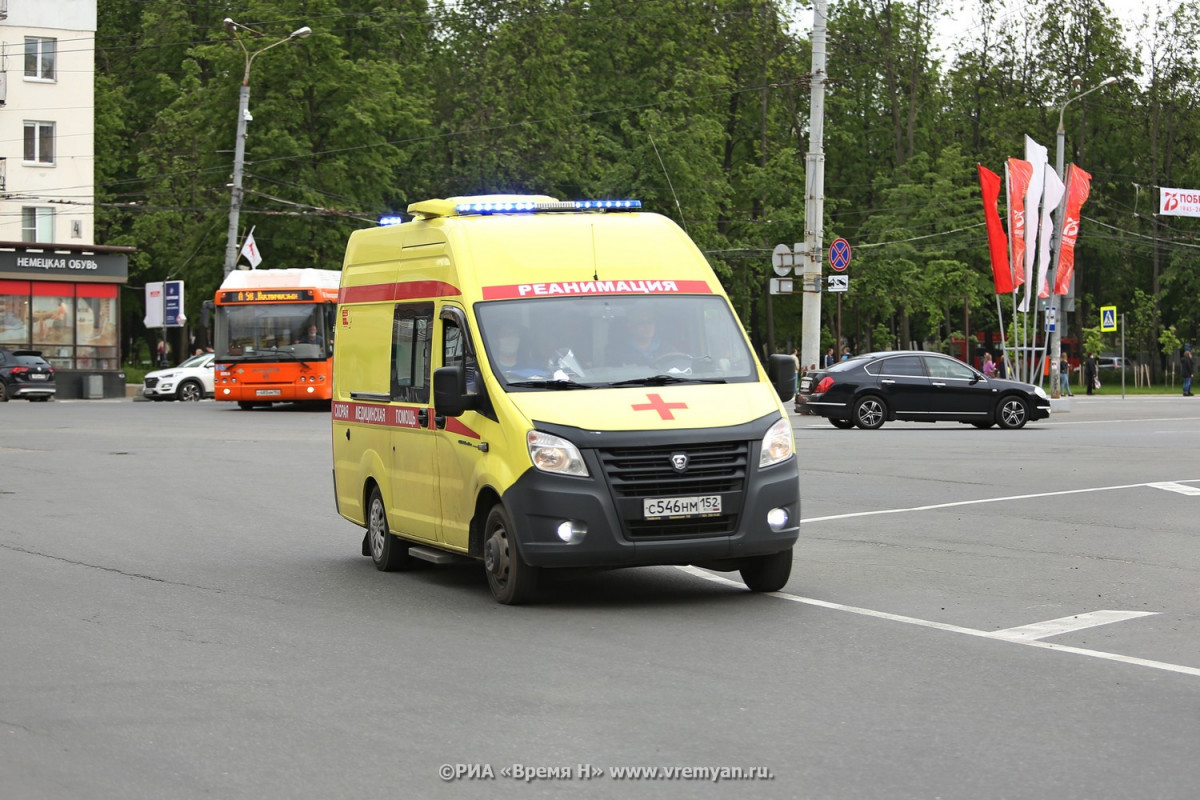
(191, 380)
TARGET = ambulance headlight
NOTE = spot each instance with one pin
(778, 444)
(555, 454)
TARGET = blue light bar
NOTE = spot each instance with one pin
(532, 207)
(391, 220)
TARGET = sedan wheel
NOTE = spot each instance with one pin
(844, 424)
(869, 413)
(3, 391)
(190, 391)
(1012, 413)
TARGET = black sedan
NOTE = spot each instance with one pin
(24, 373)
(916, 386)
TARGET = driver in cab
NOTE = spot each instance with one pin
(510, 358)
(641, 343)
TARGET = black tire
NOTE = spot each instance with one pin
(389, 552)
(844, 424)
(870, 413)
(767, 573)
(3, 391)
(190, 391)
(45, 398)
(982, 425)
(244, 406)
(511, 580)
(1012, 412)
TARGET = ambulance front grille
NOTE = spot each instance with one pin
(635, 473)
(713, 468)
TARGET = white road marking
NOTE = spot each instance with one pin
(1056, 627)
(1194, 491)
(998, 500)
(941, 626)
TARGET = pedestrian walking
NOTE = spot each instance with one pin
(1091, 373)
(989, 366)
(1187, 367)
(1064, 376)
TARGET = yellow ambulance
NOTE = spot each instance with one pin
(540, 384)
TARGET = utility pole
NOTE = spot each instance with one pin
(814, 198)
(239, 147)
(1052, 304)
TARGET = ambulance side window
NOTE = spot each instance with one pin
(412, 343)
(455, 353)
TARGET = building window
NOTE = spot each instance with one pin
(40, 57)
(39, 142)
(37, 224)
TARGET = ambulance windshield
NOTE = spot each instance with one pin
(598, 342)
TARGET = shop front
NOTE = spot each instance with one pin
(65, 301)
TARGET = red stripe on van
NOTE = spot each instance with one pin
(409, 290)
(564, 288)
(454, 426)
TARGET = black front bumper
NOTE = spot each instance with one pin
(612, 509)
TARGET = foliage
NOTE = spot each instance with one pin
(700, 110)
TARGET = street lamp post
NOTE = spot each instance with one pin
(239, 148)
(1052, 304)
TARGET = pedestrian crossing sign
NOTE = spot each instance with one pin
(1108, 318)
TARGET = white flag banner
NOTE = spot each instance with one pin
(1035, 154)
(1051, 197)
(1178, 202)
(250, 251)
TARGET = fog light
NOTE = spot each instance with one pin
(225, 391)
(777, 518)
(572, 531)
(310, 389)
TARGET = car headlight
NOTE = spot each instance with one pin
(1040, 392)
(778, 444)
(554, 454)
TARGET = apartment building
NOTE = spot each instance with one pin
(59, 289)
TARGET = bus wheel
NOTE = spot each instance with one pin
(244, 406)
(767, 573)
(511, 580)
(389, 553)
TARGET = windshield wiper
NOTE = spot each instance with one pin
(552, 384)
(663, 380)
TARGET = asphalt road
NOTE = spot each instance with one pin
(973, 614)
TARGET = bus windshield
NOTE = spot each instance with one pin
(271, 331)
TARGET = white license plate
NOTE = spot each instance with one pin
(38, 376)
(702, 506)
(806, 382)
(267, 393)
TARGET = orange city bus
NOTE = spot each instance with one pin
(272, 336)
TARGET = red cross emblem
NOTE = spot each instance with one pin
(656, 404)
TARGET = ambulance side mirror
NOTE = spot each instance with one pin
(781, 369)
(450, 398)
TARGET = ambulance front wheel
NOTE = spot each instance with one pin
(389, 552)
(511, 580)
(767, 573)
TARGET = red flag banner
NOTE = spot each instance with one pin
(1079, 185)
(1019, 174)
(989, 184)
